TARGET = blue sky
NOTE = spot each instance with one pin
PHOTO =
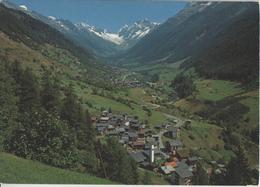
(107, 14)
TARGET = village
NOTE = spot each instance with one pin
(146, 146)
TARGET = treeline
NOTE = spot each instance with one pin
(40, 122)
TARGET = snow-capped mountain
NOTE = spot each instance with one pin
(133, 33)
(99, 41)
(126, 37)
(112, 37)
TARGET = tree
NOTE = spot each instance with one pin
(28, 91)
(44, 137)
(71, 110)
(238, 171)
(8, 100)
(183, 86)
(50, 92)
(146, 178)
(116, 164)
(155, 78)
(200, 176)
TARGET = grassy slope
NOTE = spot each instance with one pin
(18, 170)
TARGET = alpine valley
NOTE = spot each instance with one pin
(175, 102)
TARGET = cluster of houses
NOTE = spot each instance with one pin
(145, 145)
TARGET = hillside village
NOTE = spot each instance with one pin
(146, 146)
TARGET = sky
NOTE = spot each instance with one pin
(106, 14)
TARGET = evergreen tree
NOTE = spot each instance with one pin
(146, 178)
(28, 91)
(71, 111)
(8, 100)
(200, 176)
(50, 92)
(238, 171)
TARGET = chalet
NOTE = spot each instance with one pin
(138, 144)
(101, 127)
(120, 130)
(192, 160)
(141, 133)
(110, 127)
(166, 170)
(182, 174)
(103, 119)
(158, 126)
(135, 126)
(132, 136)
(112, 133)
(173, 132)
(173, 145)
(138, 156)
(145, 164)
(125, 138)
(104, 113)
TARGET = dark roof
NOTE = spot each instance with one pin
(193, 158)
(137, 156)
(111, 133)
(132, 134)
(101, 128)
(102, 124)
(183, 171)
(158, 126)
(120, 129)
(176, 143)
(145, 164)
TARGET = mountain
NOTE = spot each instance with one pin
(100, 41)
(219, 39)
(133, 33)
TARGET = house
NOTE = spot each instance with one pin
(125, 138)
(141, 133)
(158, 126)
(192, 160)
(173, 145)
(103, 119)
(136, 126)
(120, 130)
(104, 113)
(182, 174)
(112, 133)
(166, 170)
(137, 156)
(101, 127)
(173, 132)
(138, 144)
(132, 136)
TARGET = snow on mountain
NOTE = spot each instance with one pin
(138, 30)
(23, 7)
(127, 35)
(112, 37)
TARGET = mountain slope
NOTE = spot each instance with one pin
(17, 170)
(218, 36)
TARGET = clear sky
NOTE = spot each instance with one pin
(107, 14)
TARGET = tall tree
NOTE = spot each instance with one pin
(8, 100)
(238, 171)
(50, 92)
(200, 176)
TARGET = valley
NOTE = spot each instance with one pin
(89, 83)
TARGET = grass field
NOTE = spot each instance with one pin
(215, 90)
(18, 170)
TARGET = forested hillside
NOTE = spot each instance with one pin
(220, 40)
